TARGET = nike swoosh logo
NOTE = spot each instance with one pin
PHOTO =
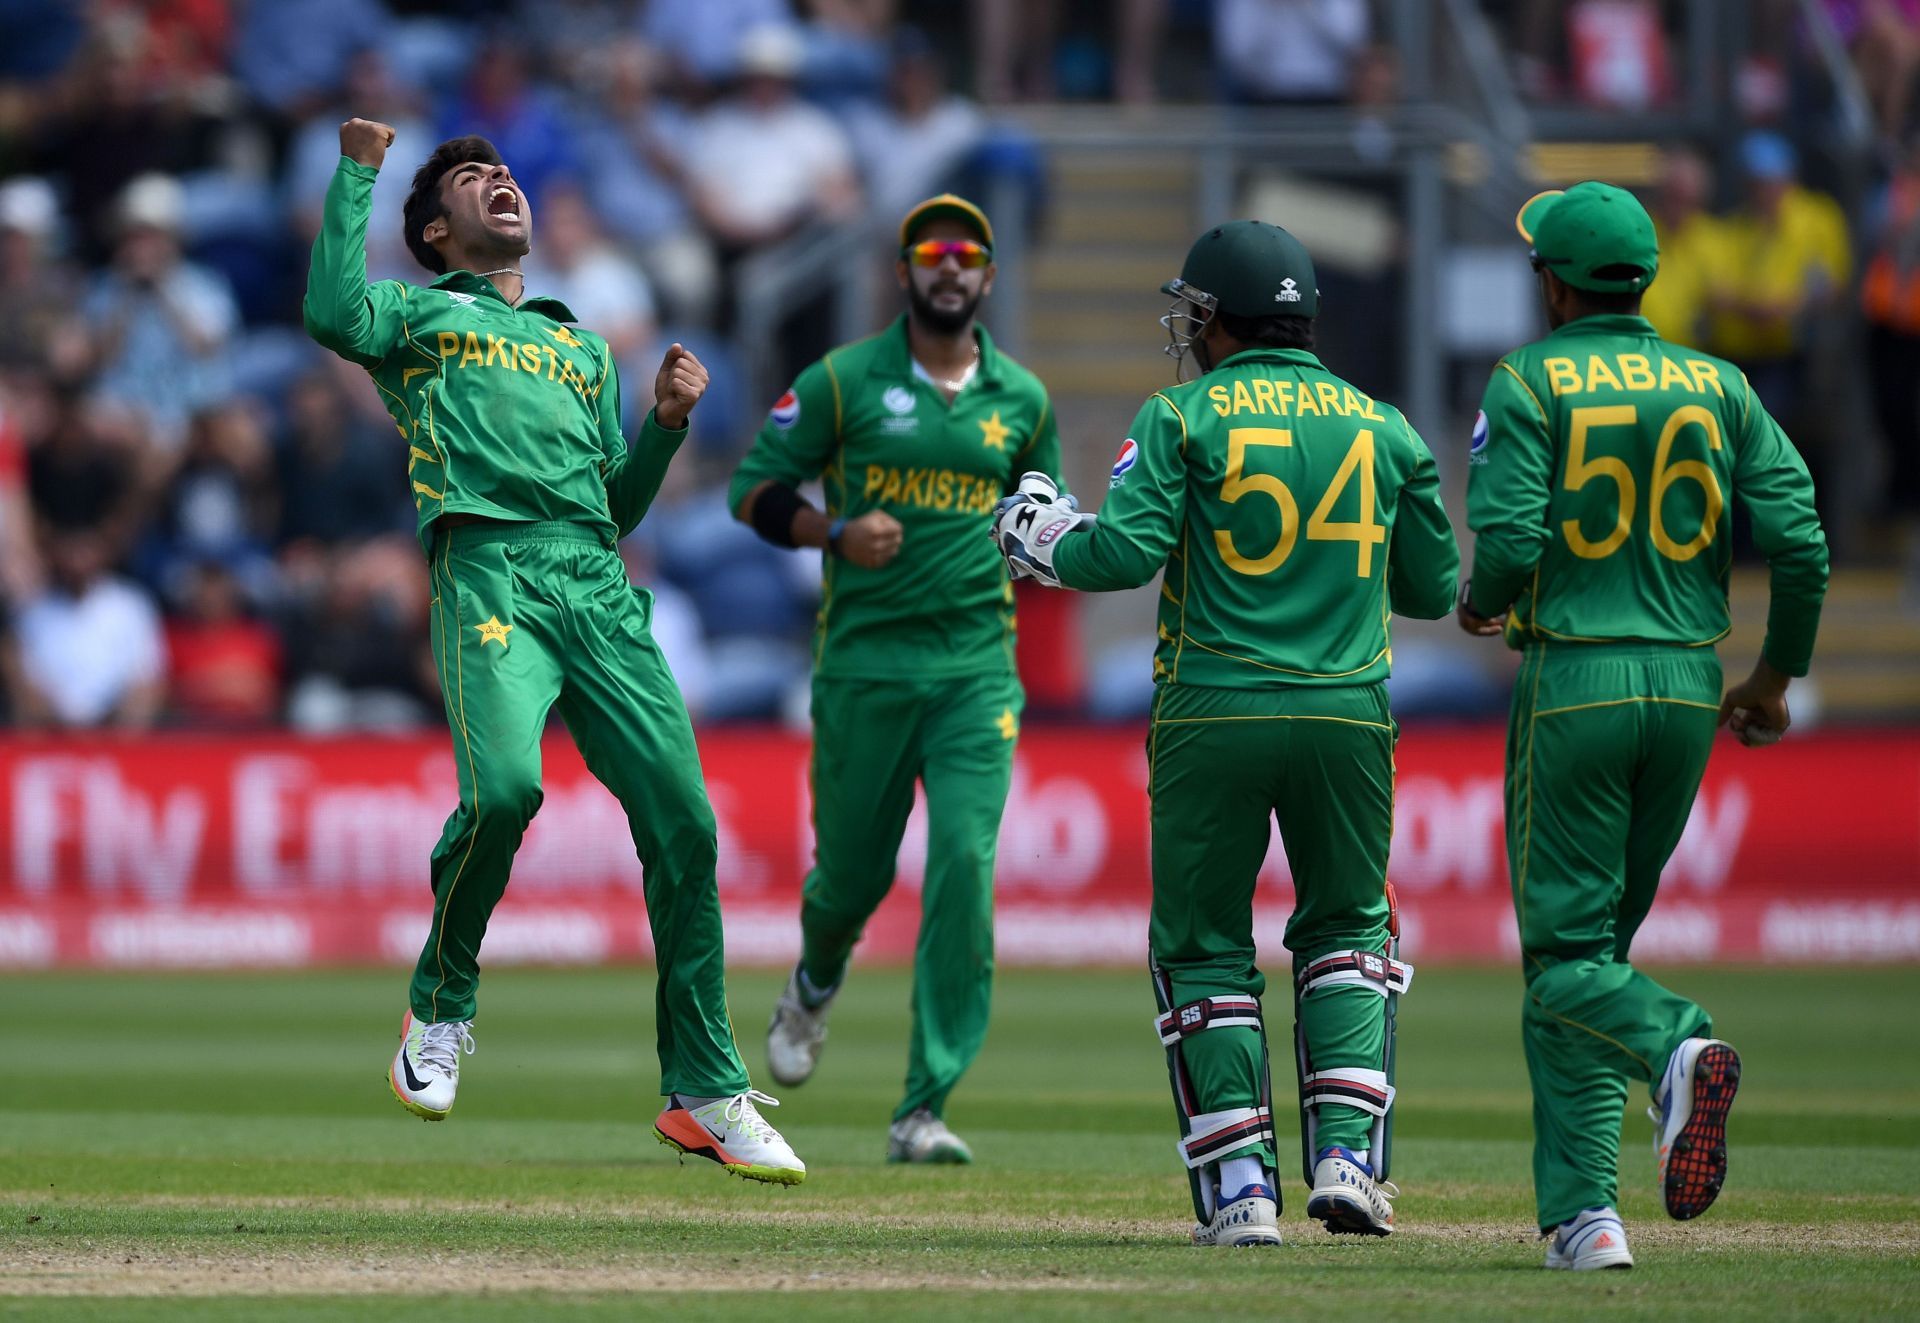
(413, 1081)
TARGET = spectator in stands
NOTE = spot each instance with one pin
(762, 163)
(1016, 46)
(113, 128)
(341, 480)
(1890, 298)
(523, 119)
(161, 324)
(291, 55)
(603, 288)
(1788, 261)
(184, 43)
(910, 146)
(19, 557)
(361, 660)
(1694, 252)
(88, 468)
(40, 334)
(625, 129)
(1883, 37)
(701, 38)
(223, 665)
(220, 506)
(89, 651)
(372, 92)
(1288, 52)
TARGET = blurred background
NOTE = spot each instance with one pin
(217, 685)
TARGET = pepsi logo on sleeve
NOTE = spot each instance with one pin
(1476, 453)
(786, 410)
(1124, 461)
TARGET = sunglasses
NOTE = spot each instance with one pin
(931, 252)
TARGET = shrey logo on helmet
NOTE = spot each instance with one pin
(1124, 461)
(786, 410)
(1289, 291)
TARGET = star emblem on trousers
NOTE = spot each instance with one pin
(993, 432)
(1008, 723)
(493, 632)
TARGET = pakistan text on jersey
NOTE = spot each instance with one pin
(501, 352)
(1277, 395)
(931, 489)
(1631, 372)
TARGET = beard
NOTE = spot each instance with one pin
(941, 321)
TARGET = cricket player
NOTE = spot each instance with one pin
(1604, 466)
(1291, 514)
(917, 432)
(524, 484)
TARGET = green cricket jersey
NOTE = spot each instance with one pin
(883, 438)
(1604, 467)
(508, 412)
(1292, 513)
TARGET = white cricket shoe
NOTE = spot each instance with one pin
(1595, 1239)
(1251, 1217)
(1347, 1198)
(731, 1132)
(1689, 1113)
(795, 1035)
(920, 1136)
(426, 1069)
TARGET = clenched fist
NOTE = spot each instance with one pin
(677, 387)
(871, 540)
(366, 141)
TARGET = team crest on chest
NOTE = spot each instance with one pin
(905, 419)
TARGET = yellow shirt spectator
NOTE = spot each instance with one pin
(1691, 252)
(1785, 254)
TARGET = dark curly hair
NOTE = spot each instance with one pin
(424, 203)
(1280, 332)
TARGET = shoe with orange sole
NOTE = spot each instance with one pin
(731, 1132)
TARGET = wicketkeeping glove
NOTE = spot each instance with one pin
(1028, 526)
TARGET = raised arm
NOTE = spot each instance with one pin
(342, 312)
(634, 478)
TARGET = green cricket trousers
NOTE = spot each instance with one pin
(1223, 765)
(1605, 750)
(526, 617)
(872, 740)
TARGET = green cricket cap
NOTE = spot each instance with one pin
(1250, 269)
(1593, 236)
(946, 206)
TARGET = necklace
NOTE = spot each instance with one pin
(954, 385)
(514, 271)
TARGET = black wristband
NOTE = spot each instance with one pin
(834, 530)
(773, 512)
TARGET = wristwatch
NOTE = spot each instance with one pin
(834, 530)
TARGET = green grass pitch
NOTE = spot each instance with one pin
(224, 1147)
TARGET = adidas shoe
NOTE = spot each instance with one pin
(426, 1069)
(1251, 1217)
(795, 1036)
(731, 1132)
(920, 1136)
(1595, 1239)
(1689, 1113)
(1347, 1198)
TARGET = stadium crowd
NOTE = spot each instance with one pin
(203, 519)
